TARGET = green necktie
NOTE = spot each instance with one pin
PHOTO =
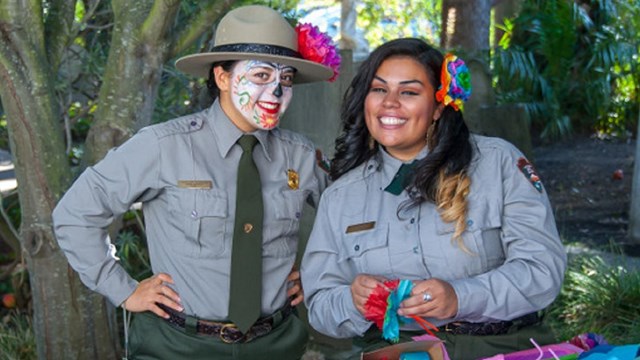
(245, 295)
(401, 179)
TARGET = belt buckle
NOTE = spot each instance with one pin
(450, 327)
(228, 336)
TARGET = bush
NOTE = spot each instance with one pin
(17, 341)
(599, 298)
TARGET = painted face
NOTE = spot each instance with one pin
(261, 91)
(400, 107)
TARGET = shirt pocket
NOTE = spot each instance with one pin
(202, 216)
(282, 223)
(368, 250)
(482, 237)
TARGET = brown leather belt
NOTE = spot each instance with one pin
(226, 331)
(490, 328)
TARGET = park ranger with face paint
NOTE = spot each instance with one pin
(222, 192)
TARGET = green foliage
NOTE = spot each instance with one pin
(4, 132)
(388, 20)
(565, 62)
(17, 340)
(132, 249)
(11, 205)
(598, 298)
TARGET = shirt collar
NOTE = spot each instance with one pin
(391, 165)
(227, 134)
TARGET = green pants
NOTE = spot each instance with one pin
(153, 338)
(469, 347)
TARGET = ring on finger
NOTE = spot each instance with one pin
(426, 297)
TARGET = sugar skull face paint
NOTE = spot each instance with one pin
(261, 91)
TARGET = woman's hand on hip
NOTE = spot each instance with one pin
(294, 287)
(151, 292)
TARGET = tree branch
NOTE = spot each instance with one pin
(160, 18)
(200, 25)
(58, 29)
(20, 36)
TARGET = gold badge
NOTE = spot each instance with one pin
(293, 179)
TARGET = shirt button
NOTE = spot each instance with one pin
(248, 228)
(194, 214)
(469, 222)
(193, 123)
(413, 220)
(356, 248)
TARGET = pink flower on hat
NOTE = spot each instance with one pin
(316, 46)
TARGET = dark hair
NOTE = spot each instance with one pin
(450, 149)
(227, 65)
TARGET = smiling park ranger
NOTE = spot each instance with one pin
(222, 193)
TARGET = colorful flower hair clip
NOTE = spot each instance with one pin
(456, 82)
(314, 45)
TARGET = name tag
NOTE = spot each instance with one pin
(361, 227)
(195, 184)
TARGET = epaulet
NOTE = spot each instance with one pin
(181, 125)
(322, 161)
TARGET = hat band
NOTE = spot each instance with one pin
(257, 49)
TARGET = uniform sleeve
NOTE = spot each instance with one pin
(532, 274)
(326, 280)
(100, 194)
(321, 173)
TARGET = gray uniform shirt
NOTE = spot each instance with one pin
(516, 262)
(184, 173)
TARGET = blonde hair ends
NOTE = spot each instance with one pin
(451, 201)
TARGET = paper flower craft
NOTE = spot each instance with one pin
(316, 46)
(588, 341)
(455, 80)
(382, 308)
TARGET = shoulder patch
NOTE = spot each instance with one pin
(322, 162)
(530, 173)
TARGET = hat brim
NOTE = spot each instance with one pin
(306, 71)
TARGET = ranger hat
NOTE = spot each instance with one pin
(255, 32)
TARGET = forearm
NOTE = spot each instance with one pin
(333, 313)
(529, 280)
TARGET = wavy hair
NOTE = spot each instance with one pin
(441, 177)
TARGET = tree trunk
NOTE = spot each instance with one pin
(143, 42)
(131, 77)
(465, 24)
(69, 321)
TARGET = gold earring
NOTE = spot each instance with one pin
(372, 142)
(430, 133)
